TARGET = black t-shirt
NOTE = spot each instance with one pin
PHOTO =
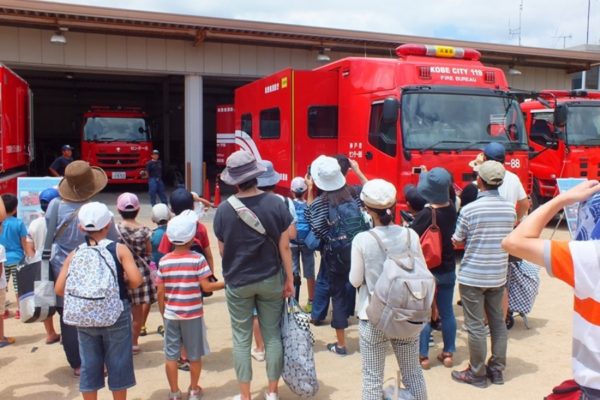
(154, 168)
(446, 220)
(248, 256)
(60, 163)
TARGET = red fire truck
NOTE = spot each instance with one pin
(431, 106)
(564, 132)
(16, 129)
(118, 141)
(225, 125)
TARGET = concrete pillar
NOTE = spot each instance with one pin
(194, 136)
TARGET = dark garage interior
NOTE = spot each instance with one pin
(61, 97)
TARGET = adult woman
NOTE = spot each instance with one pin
(252, 269)
(335, 218)
(379, 198)
(434, 187)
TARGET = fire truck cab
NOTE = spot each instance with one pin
(16, 129)
(117, 140)
(432, 106)
(564, 134)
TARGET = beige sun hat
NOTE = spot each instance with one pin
(81, 182)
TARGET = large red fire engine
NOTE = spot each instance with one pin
(118, 141)
(225, 125)
(564, 132)
(433, 106)
(15, 129)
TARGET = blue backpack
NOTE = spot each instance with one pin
(302, 225)
(345, 221)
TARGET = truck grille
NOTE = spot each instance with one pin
(107, 159)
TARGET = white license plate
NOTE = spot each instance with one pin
(119, 175)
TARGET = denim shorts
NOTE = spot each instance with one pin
(186, 332)
(110, 345)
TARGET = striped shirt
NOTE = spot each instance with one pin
(181, 274)
(483, 224)
(317, 214)
(578, 265)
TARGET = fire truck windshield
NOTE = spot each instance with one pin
(111, 129)
(583, 125)
(451, 121)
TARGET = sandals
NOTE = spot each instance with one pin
(55, 339)
(7, 340)
(135, 349)
(143, 331)
(424, 362)
(446, 359)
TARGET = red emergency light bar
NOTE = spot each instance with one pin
(427, 50)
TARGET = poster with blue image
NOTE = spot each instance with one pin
(571, 211)
(28, 193)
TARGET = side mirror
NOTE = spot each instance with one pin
(560, 115)
(390, 110)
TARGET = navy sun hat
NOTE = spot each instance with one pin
(434, 186)
(412, 196)
(494, 151)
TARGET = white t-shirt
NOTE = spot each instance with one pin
(37, 234)
(512, 189)
(2, 275)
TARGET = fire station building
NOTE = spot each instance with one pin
(178, 68)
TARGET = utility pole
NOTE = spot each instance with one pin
(564, 39)
(587, 31)
(517, 31)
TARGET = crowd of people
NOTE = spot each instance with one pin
(268, 244)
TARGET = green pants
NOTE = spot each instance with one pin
(266, 297)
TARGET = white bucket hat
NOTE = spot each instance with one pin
(327, 174)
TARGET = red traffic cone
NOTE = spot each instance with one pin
(206, 192)
(217, 193)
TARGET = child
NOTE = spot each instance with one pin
(36, 236)
(14, 240)
(137, 238)
(178, 272)
(4, 340)
(299, 250)
(108, 346)
(160, 216)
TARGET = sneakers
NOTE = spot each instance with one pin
(271, 396)
(308, 307)
(175, 396)
(258, 355)
(334, 348)
(469, 378)
(495, 375)
(183, 364)
(195, 394)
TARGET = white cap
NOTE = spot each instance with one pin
(182, 228)
(94, 216)
(378, 194)
(298, 185)
(327, 174)
(160, 212)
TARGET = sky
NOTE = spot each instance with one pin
(544, 23)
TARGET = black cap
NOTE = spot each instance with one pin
(66, 147)
(155, 151)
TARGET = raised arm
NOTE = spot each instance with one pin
(525, 241)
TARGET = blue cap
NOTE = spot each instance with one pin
(47, 195)
(181, 199)
(434, 186)
(494, 151)
(66, 147)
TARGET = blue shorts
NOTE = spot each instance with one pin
(307, 256)
(110, 345)
(186, 332)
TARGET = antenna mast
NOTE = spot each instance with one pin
(517, 31)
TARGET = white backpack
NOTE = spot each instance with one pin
(92, 296)
(402, 297)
